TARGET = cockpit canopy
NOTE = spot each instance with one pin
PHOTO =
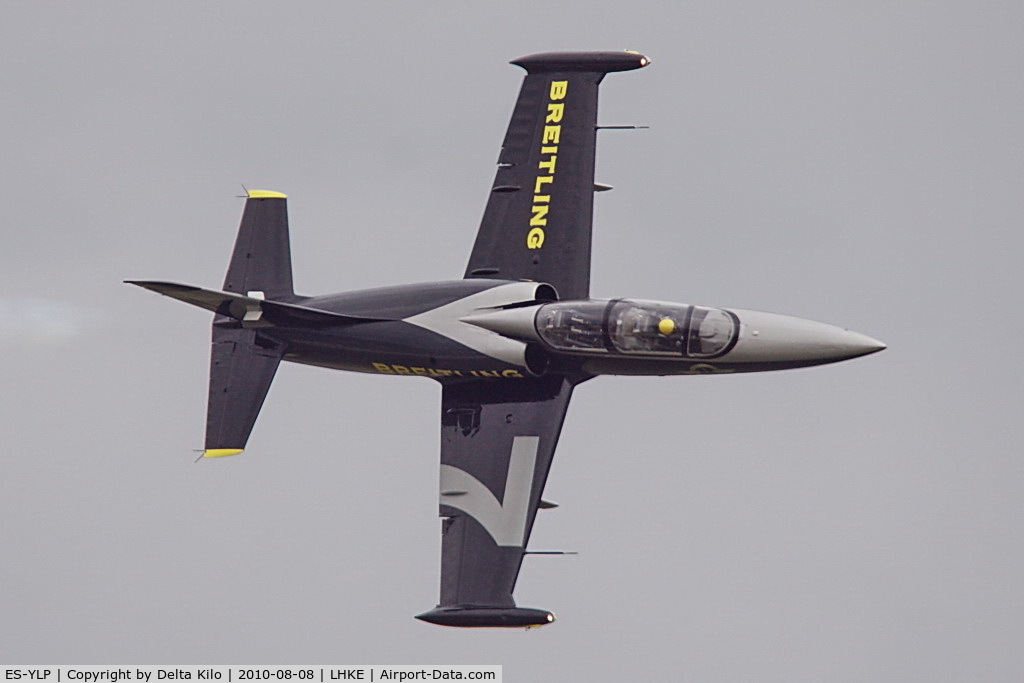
(647, 328)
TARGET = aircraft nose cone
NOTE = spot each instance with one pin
(773, 338)
(858, 344)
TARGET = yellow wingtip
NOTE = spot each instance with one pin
(265, 194)
(220, 452)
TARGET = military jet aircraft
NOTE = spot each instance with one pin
(508, 342)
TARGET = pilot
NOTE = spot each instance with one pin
(630, 328)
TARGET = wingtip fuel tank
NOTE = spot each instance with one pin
(499, 617)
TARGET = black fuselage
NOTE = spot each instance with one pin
(509, 330)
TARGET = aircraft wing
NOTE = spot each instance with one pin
(497, 442)
(537, 223)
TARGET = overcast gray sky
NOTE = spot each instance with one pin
(858, 163)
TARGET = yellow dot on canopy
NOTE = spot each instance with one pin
(666, 326)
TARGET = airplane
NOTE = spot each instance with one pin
(508, 342)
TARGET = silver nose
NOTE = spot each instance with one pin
(859, 344)
(771, 338)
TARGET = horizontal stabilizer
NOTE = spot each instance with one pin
(250, 309)
(262, 258)
(241, 370)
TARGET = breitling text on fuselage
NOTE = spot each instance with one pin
(391, 369)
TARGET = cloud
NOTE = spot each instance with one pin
(40, 321)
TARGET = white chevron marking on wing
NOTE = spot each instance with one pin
(505, 521)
